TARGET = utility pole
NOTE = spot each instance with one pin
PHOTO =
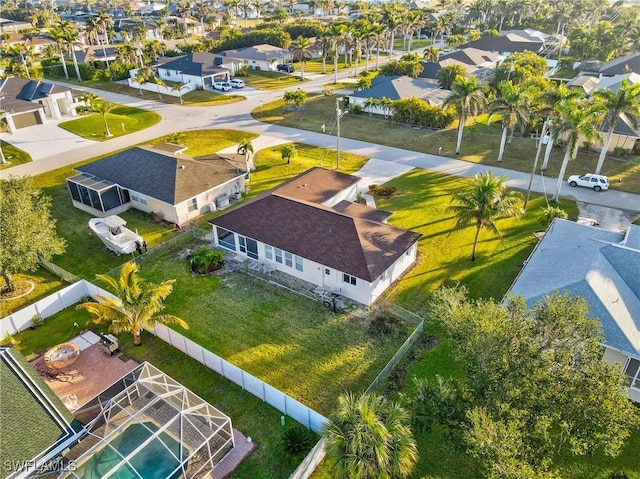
(338, 115)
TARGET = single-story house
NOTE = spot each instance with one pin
(260, 57)
(203, 69)
(29, 405)
(31, 102)
(12, 39)
(479, 63)
(124, 26)
(512, 41)
(97, 54)
(602, 267)
(160, 180)
(308, 228)
(396, 88)
(7, 25)
(619, 66)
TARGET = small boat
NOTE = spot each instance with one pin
(118, 239)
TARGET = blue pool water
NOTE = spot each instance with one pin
(152, 462)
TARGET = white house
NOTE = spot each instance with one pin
(32, 102)
(309, 229)
(200, 69)
(260, 57)
(159, 180)
(601, 266)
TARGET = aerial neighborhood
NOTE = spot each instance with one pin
(264, 239)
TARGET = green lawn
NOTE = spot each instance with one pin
(13, 155)
(45, 283)
(206, 142)
(480, 142)
(248, 414)
(122, 120)
(263, 80)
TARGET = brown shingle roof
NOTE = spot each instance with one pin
(362, 211)
(316, 185)
(356, 246)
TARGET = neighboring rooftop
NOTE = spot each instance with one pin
(356, 210)
(398, 87)
(601, 266)
(197, 64)
(161, 175)
(316, 185)
(619, 66)
(263, 52)
(22, 94)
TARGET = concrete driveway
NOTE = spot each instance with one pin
(42, 141)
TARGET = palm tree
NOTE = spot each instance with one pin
(431, 54)
(512, 103)
(369, 437)
(57, 35)
(483, 202)
(300, 48)
(288, 151)
(245, 147)
(179, 87)
(551, 100)
(337, 33)
(136, 305)
(105, 23)
(71, 37)
(623, 104)
(576, 119)
(468, 99)
(159, 83)
(103, 108)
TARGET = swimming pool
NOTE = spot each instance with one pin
(152, 462)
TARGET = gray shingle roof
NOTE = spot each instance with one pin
(395, 88)
(20, 94)
(593, 263)
(197, 64)
(622, 65)
(160, 175)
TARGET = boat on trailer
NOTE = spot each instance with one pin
(118, 239)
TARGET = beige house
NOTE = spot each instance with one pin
(159, 180)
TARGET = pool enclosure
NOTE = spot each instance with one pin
(96, 195)
(148, 426)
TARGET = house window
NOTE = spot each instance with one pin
(327, 271)
(268, 252)
(226, 238)
(193, 205)
(299, 263)
(278, 256)
(347, 278)
(135, 197)
(633, 372)
(288, 259)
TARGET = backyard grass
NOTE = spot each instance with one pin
(206, 142)
(250, 415)
(480, 143)
(45, 283)
(13, 155)
(264, 80)
(122, 120)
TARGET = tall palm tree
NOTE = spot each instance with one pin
(103, 108)
(369, 437)
(483, 202)
(431, 54)
(245, 147)
(577, 119)
(300, 48)
(136, 305)
(57, 35)
(159, 83)
(551, 99)
(468, 99)
(104, 22)
(337, 33)
(391, 19)
(623, 104)
(512, 103)
(71, 37)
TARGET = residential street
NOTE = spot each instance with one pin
(237, 116)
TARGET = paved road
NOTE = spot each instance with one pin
(237, 116)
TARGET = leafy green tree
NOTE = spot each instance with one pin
(447, 75)
(136, 305)
(512, 104)
(485, 200)
(410, 67)
(538, 381)
(520, 67)
(288, 152)
(624, 105)
(468, 99)
(27, 230)
(369, 437)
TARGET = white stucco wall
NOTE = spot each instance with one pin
(614, 356)
(349, 193)
(183, 215)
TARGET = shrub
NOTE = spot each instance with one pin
(383, 191)
(620, 151)
(383, 325)
(551, 212)
(206, 260)
(297, 440)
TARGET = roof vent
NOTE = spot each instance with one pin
(182, 167)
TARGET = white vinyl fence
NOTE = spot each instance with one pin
(162, 89)
(279, 400)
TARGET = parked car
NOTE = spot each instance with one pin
(597, 182)
(286, 68)
(236, 83)
(222, 85)
(422, 36)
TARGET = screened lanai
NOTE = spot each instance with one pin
(96, 193)
(149, 426)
